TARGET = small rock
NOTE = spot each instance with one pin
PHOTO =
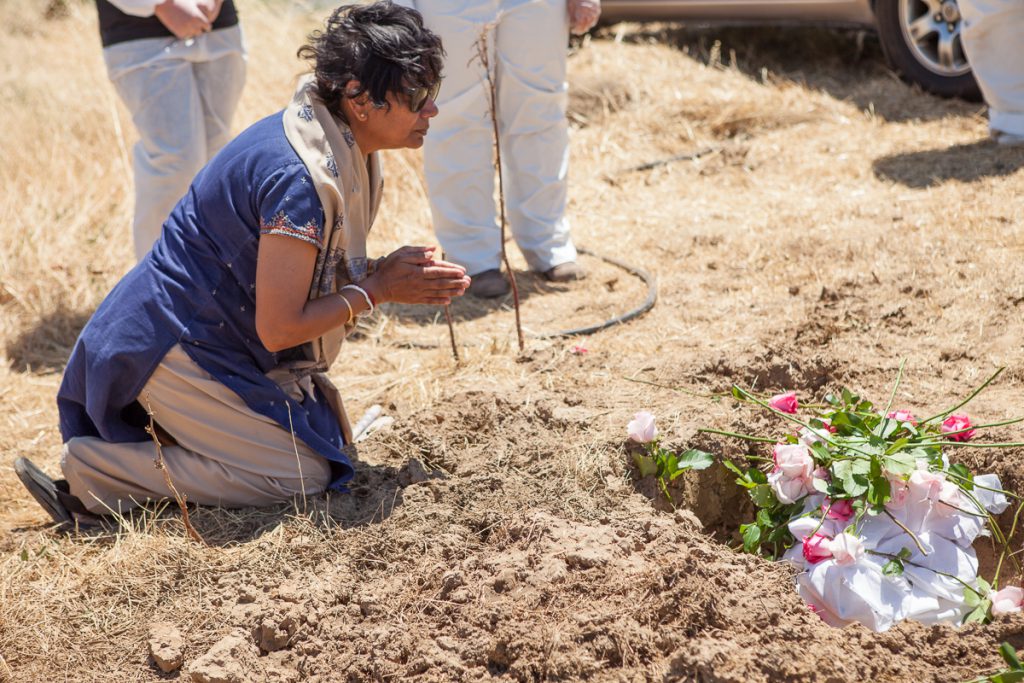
(232, 659)
(273, 634)
(449, 582)
(684, 516)
(413, 472)
(166, 646)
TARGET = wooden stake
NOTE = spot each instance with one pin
(485, 61)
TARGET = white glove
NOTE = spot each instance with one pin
(583, 14)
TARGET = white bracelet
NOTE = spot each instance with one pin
(357, 288)
(351, 313)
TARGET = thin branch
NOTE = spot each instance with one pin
(451, 325)
(485, 61)
(160, 465)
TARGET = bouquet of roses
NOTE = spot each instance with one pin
(868, 506)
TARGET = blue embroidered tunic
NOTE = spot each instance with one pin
(197, 288)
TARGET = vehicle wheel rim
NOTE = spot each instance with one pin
(931, 29)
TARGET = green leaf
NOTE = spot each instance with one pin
(737, 394)
(821, 454)
(24, 555)
(821, 485)
(850, 398)
(893, 568)
(646, 464)
(1007, 677)
(731, 466)
(694, 459)
(904, 553)
(763, 518)
(901, 463)
(878, 490)
(757, 476)
(751, 537)
(865, 407)
(965, 478)
(979, 614)
(762, 495)
(1010, 657)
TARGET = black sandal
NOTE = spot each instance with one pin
(44, 490)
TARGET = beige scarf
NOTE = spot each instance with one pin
(349, 187)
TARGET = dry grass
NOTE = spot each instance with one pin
(841, 221)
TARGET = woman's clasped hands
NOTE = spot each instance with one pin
(411, 275)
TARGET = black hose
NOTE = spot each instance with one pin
(648, 304)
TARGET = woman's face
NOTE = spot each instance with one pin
(397, 126)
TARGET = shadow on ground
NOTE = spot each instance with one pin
(45, 346)
(374, 494)
(848, 64)
(966, 163)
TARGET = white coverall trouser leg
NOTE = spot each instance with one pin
(993, 39)
(182, 96)
(529, 50)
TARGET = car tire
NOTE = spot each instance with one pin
(917, 59)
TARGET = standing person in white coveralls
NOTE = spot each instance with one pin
(179, 67)
(529, 41)
(993, 40)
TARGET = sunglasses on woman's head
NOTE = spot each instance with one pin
(419, 95)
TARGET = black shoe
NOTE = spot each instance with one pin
(43, 489)
(54, 496)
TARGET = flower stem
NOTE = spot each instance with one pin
(903, 526)
(1006, 546)
(968, 399)
(895, 386)
(747, 437)
(790, 418)
(677, 389)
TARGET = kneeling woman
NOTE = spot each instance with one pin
(222, 334)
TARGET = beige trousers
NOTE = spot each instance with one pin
(226, 454)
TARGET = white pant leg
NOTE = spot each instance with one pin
(220, 78)
(156, 79)
(532, 47)
(458, 153)
(993, 39)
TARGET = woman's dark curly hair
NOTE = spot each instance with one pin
(382, 45)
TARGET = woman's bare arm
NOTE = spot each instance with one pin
(284, 270)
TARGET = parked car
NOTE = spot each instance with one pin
(920, 38)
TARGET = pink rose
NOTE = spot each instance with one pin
(839, 510)
(641, 428)
(1007, 600)
(928, 485)
(898, 492)
(793, 460)
(846, 549)
(954, 425)
(784, 403)
(816, 548)
(811, 436)
(791, 478)
(903, 416)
